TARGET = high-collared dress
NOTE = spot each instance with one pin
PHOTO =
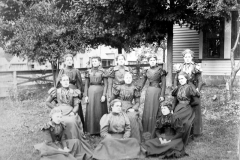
(75, 81)
(95, 88)
(55, 139)
(66, 100)
(182, 109)
(116, 130)
(157, 85)
(170, 128)
(127, 93)
(195, 79)
(116, 76)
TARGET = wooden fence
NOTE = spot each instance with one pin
(10, 81)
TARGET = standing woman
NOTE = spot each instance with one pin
(95, 96)
(116, 74)
(154, 95)
(75, 80)
(195, 79)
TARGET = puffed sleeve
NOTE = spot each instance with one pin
(104, 125)
(76, 95)
(116, 89)
(163, 73)
(53, 92)
(127, 129)
(197, 68)
(193, 91)
(111, 72)
(177, 125)
(87, 75)
(175, 91)
(177, 67)
(144, 73)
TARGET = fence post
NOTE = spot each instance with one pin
(15, 81)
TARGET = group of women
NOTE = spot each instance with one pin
(163, 129)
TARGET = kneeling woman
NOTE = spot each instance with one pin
(127, 93)
(68, 101)
(169, 131)
(57, 146)
(116, 130)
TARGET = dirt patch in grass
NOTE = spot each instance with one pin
(21, 121)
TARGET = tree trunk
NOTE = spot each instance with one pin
(169, 54)
(119, 50)
(54, 75)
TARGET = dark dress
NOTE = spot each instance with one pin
(183, 94)
(95, 88)
(66, 100)
(56, 139)
(157, 85)
(127, 93)
(75, 81)
(195, 80)
(116, 77)
(115, 128)
(169, 128)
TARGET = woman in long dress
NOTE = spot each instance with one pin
(95, 96)
(68, 101)
(169, 131)
(57, 146)
(154, 94)
(75, 80)
(184, 94)
(116, 130)
(116, 74)
(128, 93)
(195, 79)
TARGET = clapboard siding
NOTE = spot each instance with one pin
(217, 67)
(184, 38)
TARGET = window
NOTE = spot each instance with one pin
(81, 62)
(107, 62)
(213, 42)
(235, 26)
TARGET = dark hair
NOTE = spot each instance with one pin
(184, 74)
(120, 56)
(167, 104)
(97, 57)
(68, 55)
(151, 56)
(113, 102)
(188, 51)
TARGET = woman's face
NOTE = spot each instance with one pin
(152, 62)
(182, 79)
(128, 79)
(165, 110)
(187, 58)
(57, 117)
(121, 60)
(117, 107)
(68, 61)
(65, 82)
(95, 62)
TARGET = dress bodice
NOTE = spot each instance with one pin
(95, 75)
(126, 92)
(54, 132)
(184, 92)
(154, 75)
(117, 73)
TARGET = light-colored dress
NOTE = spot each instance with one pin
(95, 88)
(55, 139)
(66, 99)
(115, 129)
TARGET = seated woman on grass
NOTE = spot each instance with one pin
(57, 146)
(115, 129)
(68, 101)
(169, 131)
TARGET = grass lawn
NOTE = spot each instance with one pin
(21, 120)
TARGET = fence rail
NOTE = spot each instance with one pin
(10, 80)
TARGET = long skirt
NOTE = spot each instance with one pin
(116, 148)
(197, 126)
(150, 110)
(135, 122)
(79, 150)
(187, 115)
(95, 109)
(174, 149)
(74, 128)
(80, 110)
